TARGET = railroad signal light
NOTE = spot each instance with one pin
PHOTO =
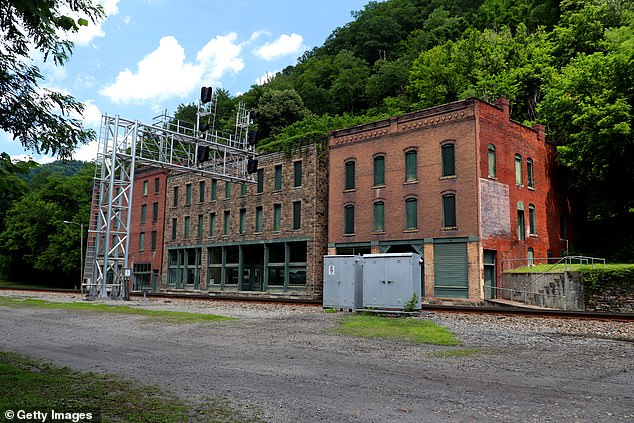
(252, 138)
(202, 153)
(252, 165)
(254, 114)
(205, 94)
(204, 127)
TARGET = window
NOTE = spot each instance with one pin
(448, 160)
(297, 174)
(201, 191)
(188, 194)
(214, 189)
(410, 166)
(212, 224)
(449, 210)
(278, 177)
(157, 185)
(155, 211)
(142, 241)
(348, 219)
(145, 185)
(199, 229)
(530, 180)
(379, 170)
(518, 169)
(277, 217)
(243, 221)
(297, 215)
(153, 241)
(411, 213)
(492, 168)
(258, 219)
(186, 228)
(260, 187)
(227, 222)
(521, 229)
(174, 227)
(227, 190)
(175, 196)
(349, 176)
(243, 190)
(531, 257)
(532, 225)
(379, 216)
(143, 213)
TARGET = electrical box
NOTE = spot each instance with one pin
(343, 282)
(390, 280)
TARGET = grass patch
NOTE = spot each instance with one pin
(330, 310)
(33, 385)
(171, 316)
(560, 268)
(463, 352)
(409, 329)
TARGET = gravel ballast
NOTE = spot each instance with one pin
(287, 364)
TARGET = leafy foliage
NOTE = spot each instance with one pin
(40, 118)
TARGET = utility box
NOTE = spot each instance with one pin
(390, 280)
(343, 282)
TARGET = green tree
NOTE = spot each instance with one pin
(12, 183)
(40, 118)
(348, 86)
(278, 109)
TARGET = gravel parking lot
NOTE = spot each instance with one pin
(286, 363)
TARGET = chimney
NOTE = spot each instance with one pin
(541, 132)
(503, 103)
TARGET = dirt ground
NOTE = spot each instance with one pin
(288, 365)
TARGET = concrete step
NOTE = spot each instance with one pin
(518, 304)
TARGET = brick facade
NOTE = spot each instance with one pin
(148, 218)
(258, 250)
(446, 209)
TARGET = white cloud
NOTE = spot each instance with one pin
(284, 45)
(86, 152)
(86, 34)
(164, 73)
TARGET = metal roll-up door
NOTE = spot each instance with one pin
(450, 270)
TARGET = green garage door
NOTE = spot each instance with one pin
(450, 270)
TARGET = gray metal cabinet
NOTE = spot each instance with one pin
(343, 282)
(390, 280)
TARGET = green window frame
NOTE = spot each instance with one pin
(175, 196)
(155, 211)
(518, 170)
(243, 221)
(201, 191)
(200, 226)
(532, 221)
(260, 181)
(258, 219)
(297, 173)
(243, 189)
(411, 213)
(411, 171)
(448, 160)
(153, 241)
(142, 241)
(174, 227)
(350, 174)
(186, 227)
(449, 211)
(521, 224)
(214, 189)
(277, 217)
(145, 187)
(297, 215)
(530, 176)
(212, 224)
(227, 222)
(348, 219)
(157, 185)
(143, 212)
(492, 164)
(379, 170)
(278, 178)
(188, 194)
(227, 190)
(379, 216)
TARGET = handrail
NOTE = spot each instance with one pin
(568, 261)
(523, 295)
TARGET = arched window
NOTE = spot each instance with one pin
(449, 210)
(518, 169)
(521, 229)
(411, 213)
(379, 216)
(492, 169)
(532, 224)
(348, 219)
(379, 170)
(410, 166)
(530, 178)
(448, 160)
(349, 176)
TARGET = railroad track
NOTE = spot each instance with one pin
(426, 308)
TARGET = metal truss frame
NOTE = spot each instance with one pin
(125, 145)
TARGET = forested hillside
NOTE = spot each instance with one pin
(566, 64)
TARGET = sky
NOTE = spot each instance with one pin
(149, 56)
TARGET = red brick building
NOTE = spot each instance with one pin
(461, 184)
(147, 224)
